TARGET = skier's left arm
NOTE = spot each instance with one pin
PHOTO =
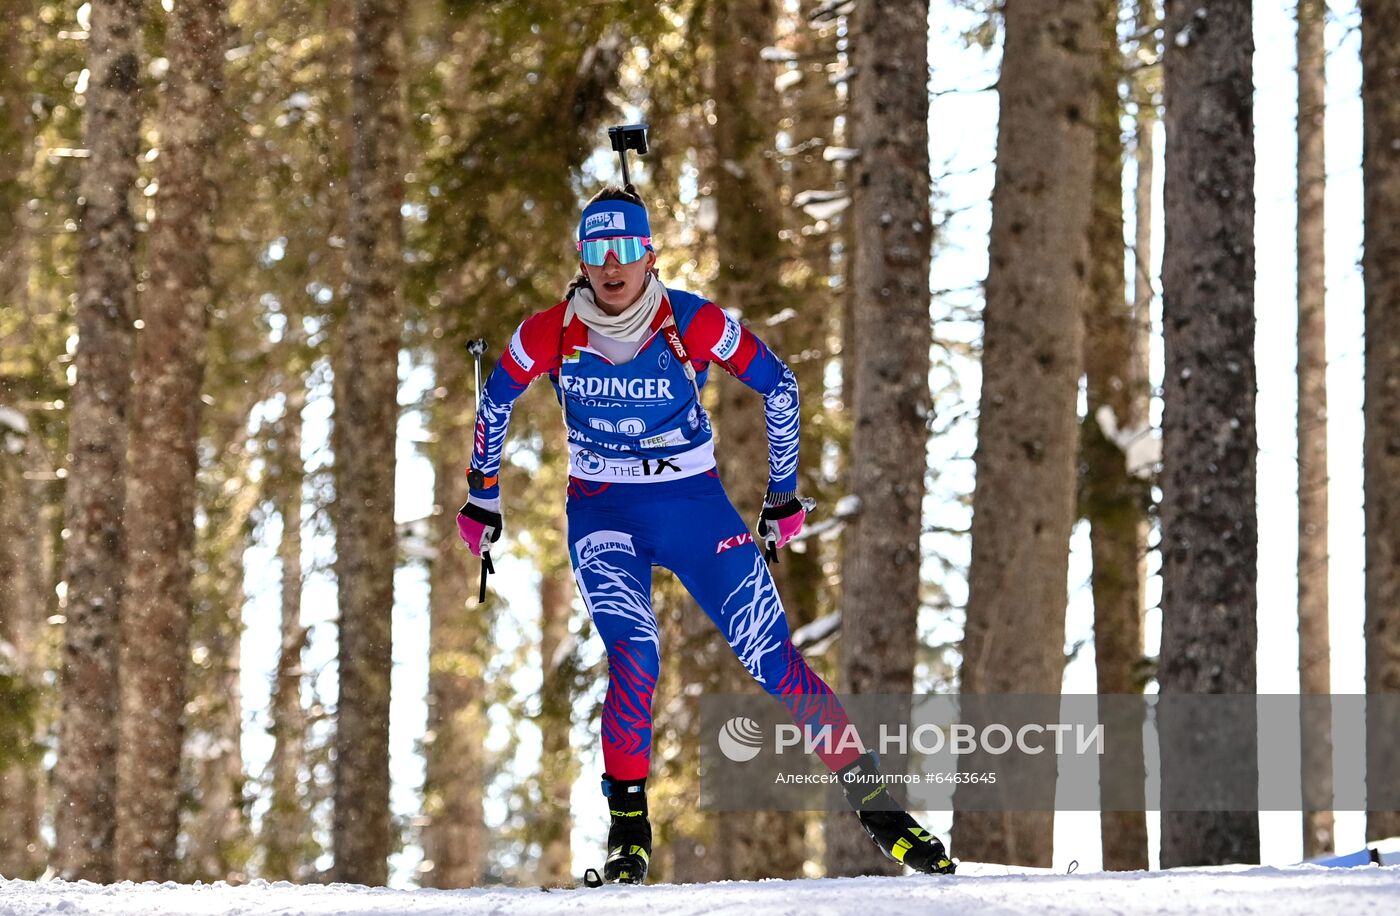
(716, 336)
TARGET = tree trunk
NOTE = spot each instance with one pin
(215, 840)
(454, 836)
(1314, 644)
(23, 602)
(891, 223)
(95, 561)
(16, 139)
(1209, 526)
(804, 337)
(845, 840)
(366, 391)
(1113, 500)
(693, 656)
(1032, 356)
(22, 610)
(1147, 92)
(754, 844)
(165, 428)
(286, 826)
(1380, 63)
(558, 766)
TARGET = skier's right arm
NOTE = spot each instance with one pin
(533, 351)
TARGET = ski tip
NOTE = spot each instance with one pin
(942, 866)
(591, 878)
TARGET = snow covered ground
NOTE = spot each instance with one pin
(977, 889)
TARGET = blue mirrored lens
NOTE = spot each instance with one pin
(626, 250)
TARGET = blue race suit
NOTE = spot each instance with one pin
(644, 492)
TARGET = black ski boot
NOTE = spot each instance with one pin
(897, 834)
(629, 837)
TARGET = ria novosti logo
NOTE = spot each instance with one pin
(740, 739)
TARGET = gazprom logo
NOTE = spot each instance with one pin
(740, 739)
(605, 221)
(518, 353)
(603, 541)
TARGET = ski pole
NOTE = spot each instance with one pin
(477, 348)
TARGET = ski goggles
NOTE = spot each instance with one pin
(625, 249)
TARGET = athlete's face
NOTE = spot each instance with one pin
(616, 286)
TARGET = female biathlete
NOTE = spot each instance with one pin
(627, 358)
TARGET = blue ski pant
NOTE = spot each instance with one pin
(617, 533)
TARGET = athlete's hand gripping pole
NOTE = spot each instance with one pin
(478, 525)
(779, 524)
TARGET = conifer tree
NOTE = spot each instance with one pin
(1314, 641)
(1209, 526)
(1380, 166)
(366, 422)
(160, 508)
(95, 561)
(1023, 508)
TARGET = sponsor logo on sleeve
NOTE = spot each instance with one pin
(517, 352)
(729, 342)
(609, 220)
(603, 541)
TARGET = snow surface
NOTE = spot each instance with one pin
(977, 889)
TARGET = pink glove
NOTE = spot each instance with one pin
(781, 523)
(479, 527)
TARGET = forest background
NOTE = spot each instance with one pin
(493, 113)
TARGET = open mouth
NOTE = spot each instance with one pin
(613, 286)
